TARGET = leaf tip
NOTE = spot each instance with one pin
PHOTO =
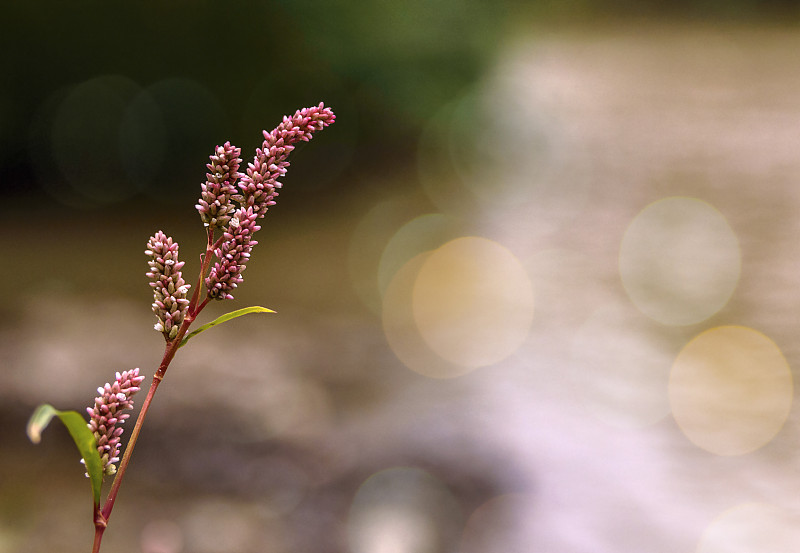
(38, 422)
(34, 434)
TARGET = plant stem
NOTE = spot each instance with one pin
(204, 264)
(98, 536)
(112, 495)
(101, 516)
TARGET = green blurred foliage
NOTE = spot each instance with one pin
(214, 71)
(669, 10)
(102, 101)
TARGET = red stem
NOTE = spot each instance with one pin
(205, 262)
(101, 516)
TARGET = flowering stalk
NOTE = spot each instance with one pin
(235, 214)
(233, 254)
(259, 185)
(107, 413)
(215, 205)
(258, 190)
(169, 289)
(101, 516)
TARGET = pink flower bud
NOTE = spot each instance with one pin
(169, 289)
(106, 413)
(259, 186)
(215, 205)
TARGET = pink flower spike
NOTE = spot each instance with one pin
(215, 205)
(169, 289)
(106, 414)
(259, 185)
(233, 254)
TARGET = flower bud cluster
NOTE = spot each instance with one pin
(215, 205)
(259, 185)
(106, 415)
(169, 289)
(258, 188)
(233, 253)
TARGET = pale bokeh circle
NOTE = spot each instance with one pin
(367, 245)
(730, 390)
(752, 528)
(86, 142)
(402, 510)
(679, 261)
(473, 302)
(401, 330)
(424, 233)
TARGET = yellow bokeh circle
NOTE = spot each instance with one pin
(730, 390)
(401, 330)
(473, 302)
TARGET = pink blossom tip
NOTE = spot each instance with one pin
(107, 413)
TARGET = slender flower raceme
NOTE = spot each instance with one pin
(169, 289)
(259, 185)
(258, 189)
(106, 415)
(215, 205)
(233, 255)
(230, 205)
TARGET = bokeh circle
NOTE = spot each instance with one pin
(730, 390)
(679, 261)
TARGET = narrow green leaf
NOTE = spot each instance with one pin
(81, 435)
(223, 318)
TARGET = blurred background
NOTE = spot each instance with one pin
(535, 289)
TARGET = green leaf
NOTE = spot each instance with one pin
(81, 435)
(224, 318)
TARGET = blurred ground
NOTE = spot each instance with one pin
(605, 366)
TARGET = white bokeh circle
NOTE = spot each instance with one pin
(679, 261)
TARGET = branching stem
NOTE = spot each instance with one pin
(101, 516)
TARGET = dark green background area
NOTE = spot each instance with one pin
(219, 71)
